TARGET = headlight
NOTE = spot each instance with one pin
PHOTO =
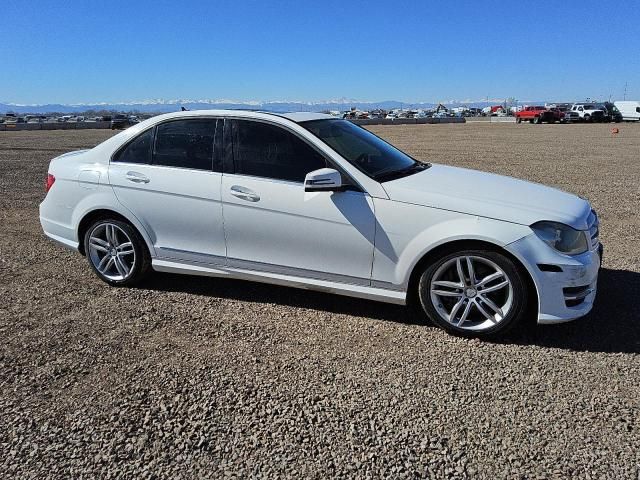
(561, 237)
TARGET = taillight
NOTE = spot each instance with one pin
(49, 182)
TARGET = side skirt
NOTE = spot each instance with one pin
(358, 291)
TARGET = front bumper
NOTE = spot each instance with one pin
(566, 285)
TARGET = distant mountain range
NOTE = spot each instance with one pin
(163, 106)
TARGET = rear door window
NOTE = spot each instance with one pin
(186, 144)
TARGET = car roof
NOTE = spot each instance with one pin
(305, 116)
(293, 116)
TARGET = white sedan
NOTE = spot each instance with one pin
(311, 201)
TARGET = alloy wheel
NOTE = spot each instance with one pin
(111, 252)
(471, 293)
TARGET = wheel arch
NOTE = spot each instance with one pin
(468, 244)
(99, 213)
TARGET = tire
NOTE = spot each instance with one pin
(587, 118)
(537, 120)
(482, 321)
(518, 120)
(116, 252)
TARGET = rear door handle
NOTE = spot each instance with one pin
(136, 177)
(244, 193)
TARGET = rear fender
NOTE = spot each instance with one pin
(106, 201)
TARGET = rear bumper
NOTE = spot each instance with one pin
(566, 285)
(57, 232)
(63, 241)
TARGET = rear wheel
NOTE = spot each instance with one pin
(116, 252)
(518, 120)
(537, 120)
(587, 118)
(473, 293)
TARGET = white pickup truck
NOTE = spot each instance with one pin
(588, 112)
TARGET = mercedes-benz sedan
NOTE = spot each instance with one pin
(310, 201)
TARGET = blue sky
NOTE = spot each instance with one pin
(90, 51)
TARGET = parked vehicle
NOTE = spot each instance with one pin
(568, 115)
(611, 113)
(571, 116)
(630, 110)
(121, 121)
(538, 114)
(493, 110)
(316, 202)
(588, 112)
(35, 118)
(14, 119)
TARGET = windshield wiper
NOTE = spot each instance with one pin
(405, 172)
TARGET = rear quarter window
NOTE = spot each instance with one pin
(137, 150)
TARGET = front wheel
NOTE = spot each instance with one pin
(477, 293)
(116, 252)
(587, 118)
(518, 120)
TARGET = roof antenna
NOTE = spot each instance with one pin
(182, 109)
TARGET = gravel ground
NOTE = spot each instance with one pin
(188, 377)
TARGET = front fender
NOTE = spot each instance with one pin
(406, 233)
(496, 232)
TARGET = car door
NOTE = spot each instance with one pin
(169, 178)
(272, 224)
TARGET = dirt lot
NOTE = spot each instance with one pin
(190, 377)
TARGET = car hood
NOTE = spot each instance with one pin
(489, 195)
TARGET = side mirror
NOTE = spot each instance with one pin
(323, 180)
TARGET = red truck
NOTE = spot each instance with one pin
(539, 115)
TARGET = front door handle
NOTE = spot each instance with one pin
(244, 193)
(136, 177)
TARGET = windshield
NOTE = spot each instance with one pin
(364, 150)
